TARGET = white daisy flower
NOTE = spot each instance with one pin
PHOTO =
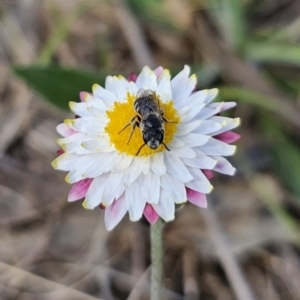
(143, 156)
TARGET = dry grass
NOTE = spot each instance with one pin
(245, 247)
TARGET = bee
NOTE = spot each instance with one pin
(149, 118)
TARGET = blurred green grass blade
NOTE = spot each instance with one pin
(231, 17)
(62, 27)
(153, 13)
(286, 155)
(249, 97)
(58, 85)
(266, 50)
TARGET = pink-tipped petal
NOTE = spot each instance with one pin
(60, 152)
(224, 166)
(225, 106)
(150, 214)
(158, 71)
(196, 198)
(115, 212)
(64, 130)
(132, 77)
(208, 173)
(84, 95)
(79, 189)
(227, 137)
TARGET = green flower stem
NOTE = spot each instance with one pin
(156, 259)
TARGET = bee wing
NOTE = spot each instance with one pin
(144, 93)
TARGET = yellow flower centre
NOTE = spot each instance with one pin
(122, 113)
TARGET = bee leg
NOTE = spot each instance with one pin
(167, 121)
(140, 149)
(136, 123)
(124, 127)
(166, 146)
(131, 121)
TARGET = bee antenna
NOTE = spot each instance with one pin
(140, 149)
(166, 147)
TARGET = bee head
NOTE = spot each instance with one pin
(153, 137)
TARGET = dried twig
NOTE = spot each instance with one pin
(22, 280)
(140, 51)
(140, 286)
(226, 257)
(190, 285)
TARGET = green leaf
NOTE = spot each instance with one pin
(153, 13)
(59, 85)
(268, 50)
(230, 16)
(286, 155)
(249, 97)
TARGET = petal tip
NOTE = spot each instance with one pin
(85, 205)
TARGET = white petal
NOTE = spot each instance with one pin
(137, 202)
(174, 187)
(132, 88)
(206, 112)
(147, 79)
(183, 110)
(115, 212)
(204, 96)
(191, 112)
(78, 136)
(224, 166)
(133, 171)
(65, 162)
(94, 194)
(207, 127)
(157, 164)
(176, 168)
(102, 163)
(113, 188)
(166, 206)
(200, 183)
(184, 151)
(117, 85)
(97, 113)
(151, 187)
(146, 165)
(122, 163)
(186, 128)
(182, 75)
(85, 164)
(198, 97)
(72, 144)
(176, 142)
(99, 145)
(211, 95)
(226, 106)
(165, 74)
(88, 125)
(164, 90)
(107, 96)
(218, 148)
(75, 147)
(79, 108)
(121, 87)
(201, 161)
(227, 124)
(64, 130)
(194, 139)
(181, 92)
(96, 103)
